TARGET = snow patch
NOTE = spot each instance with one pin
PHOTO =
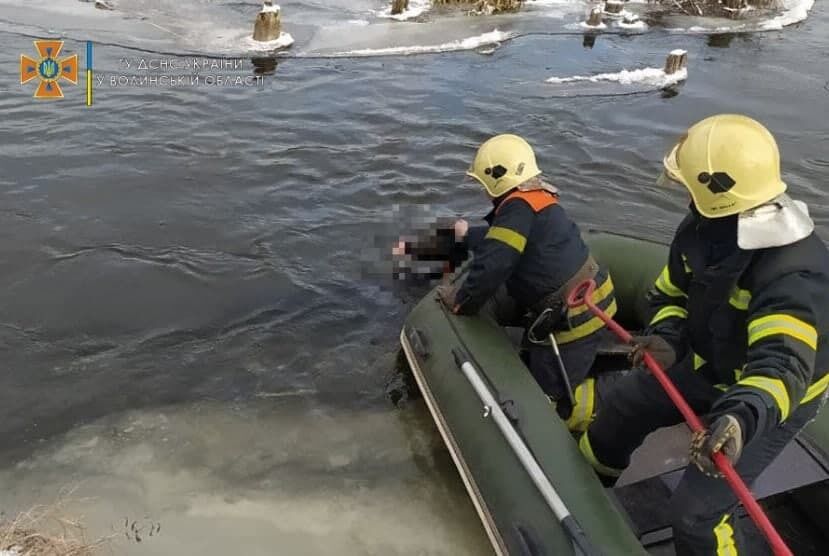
(699, 29)
(272, 9)
(655, 77)
(492, 38)
(416, 8)
(795, 12)
(10, 552)
(284, 40)
(584, 25)
(637, 25)
(548, 2)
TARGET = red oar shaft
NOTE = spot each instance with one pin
(583, 295)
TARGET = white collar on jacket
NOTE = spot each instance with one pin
(781, 221)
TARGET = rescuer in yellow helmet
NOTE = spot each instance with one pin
(526, 259)
(740, 317)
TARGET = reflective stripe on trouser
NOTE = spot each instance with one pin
(589, 395)
(701, 505)
(724, 535)
(580, 321)
(638, 406)
(582, 414)
(578, 358)
(604, 471)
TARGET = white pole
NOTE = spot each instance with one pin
(518, 446)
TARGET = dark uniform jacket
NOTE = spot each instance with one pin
(756, 323)
(533, 248)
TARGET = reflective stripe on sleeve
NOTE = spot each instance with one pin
(667, 312)
(775, 388)
(740, 299)
(664, 284)
(510, 237)
(816, 389)
(778, 323)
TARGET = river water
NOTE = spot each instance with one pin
(196, 331)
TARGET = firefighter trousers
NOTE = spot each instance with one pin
(702, 507)
(578, 357)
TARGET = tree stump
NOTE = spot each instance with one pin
(613, 6)
(595, 17)
(399, 6)
(676, 61)
(268, 24)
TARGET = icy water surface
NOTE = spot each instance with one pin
(192, 328)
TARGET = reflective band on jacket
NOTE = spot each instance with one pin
(599, 295)
(685, 264)
(667, 312)
(582, 415)
(725, 538)
(587, 328)
(816, 389)
(587, 452)
(740, 299)
(779, 323)
(698, 361)
(581, 322)
(510, 237)
(664, 284)
(775, 388)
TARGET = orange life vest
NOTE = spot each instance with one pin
(538, 199)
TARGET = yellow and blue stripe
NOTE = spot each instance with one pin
(89, 73)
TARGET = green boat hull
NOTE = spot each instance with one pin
(515, 515)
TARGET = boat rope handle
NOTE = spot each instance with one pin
(583, 295)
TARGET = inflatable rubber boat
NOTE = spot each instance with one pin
(478, 390)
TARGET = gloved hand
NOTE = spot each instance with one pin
(657, 346)
(726, 434)
(446, 293)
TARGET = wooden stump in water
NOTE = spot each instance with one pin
(613, 6)
(399, 6)
(595, 17)
(268, 24)
(676, 61)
